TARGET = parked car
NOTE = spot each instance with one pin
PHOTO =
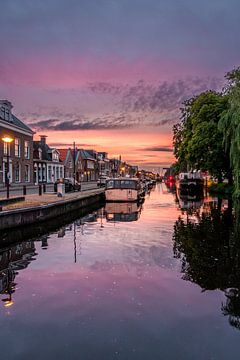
(70, 185)
(102, 181)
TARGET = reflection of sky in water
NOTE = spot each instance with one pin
(123, 298)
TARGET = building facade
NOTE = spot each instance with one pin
(66, 157)
(89, 165)
(16, 155)
(47, 165)
(104, 165)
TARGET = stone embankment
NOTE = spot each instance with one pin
(35, 209)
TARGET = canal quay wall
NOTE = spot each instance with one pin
(22, 217)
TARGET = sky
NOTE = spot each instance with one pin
(111, 75)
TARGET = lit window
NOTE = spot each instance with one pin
(17, 148)
(26, 149)
(6, 148)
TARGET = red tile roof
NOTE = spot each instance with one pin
(63, 154)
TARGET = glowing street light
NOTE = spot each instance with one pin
(7, 140)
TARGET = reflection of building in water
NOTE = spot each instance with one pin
(15, 258)
(124, 212)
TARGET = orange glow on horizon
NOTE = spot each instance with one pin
(136, 146)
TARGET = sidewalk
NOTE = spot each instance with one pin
(35, 200)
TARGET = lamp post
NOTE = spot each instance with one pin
(7, 140)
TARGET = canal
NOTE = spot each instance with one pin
(158, 281)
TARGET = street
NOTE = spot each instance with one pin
(34, 189)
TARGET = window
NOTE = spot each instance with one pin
(61, 172)
(128, 184)
(17, 173)
(27, 173)
(17, 148)
(55, 156)
(3, 110)
(7, 115)
(50, 173)
(26, 149)
(110, 184)
(44, 173)
(6, 148)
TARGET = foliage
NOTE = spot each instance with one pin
(197, 139)
(221, 188)
(230, 126)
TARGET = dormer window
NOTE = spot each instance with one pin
(7, 115)
(40, 154)
(5, 110)
(55, 156)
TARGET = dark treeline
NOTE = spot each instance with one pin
(207, 137)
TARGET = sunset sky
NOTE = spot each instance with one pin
(112, 74)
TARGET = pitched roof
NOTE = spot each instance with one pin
(20, 124)
(17, 122)
(45, 149)
(63, 154)
(85, 155)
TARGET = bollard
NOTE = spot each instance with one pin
(44, 188)
(24, 190)
(40, 190)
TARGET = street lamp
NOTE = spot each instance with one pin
(7, 140)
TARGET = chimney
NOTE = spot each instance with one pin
(43, 139)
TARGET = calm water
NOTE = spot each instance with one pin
(156, 282)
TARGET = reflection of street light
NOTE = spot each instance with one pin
(7, 140)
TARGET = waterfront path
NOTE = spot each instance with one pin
(34, 189)
(34, 200)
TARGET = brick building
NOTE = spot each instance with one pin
(66, 157)
(19, 151)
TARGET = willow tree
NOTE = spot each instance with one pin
(197, 140)
(229, 124)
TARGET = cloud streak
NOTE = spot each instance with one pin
(159, 149)
(140, 105)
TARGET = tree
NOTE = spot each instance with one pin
(197, 139)
(229, 124)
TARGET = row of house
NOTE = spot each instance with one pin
(25, 161)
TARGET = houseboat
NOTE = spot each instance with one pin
(124, 189)
(190, 182)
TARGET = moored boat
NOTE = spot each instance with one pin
(124, 189)
(190, 182)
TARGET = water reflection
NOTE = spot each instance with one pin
(47, 227)
(109, 278)
(206, 241)
(12, 260)
(19, 256)
(123, 212)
